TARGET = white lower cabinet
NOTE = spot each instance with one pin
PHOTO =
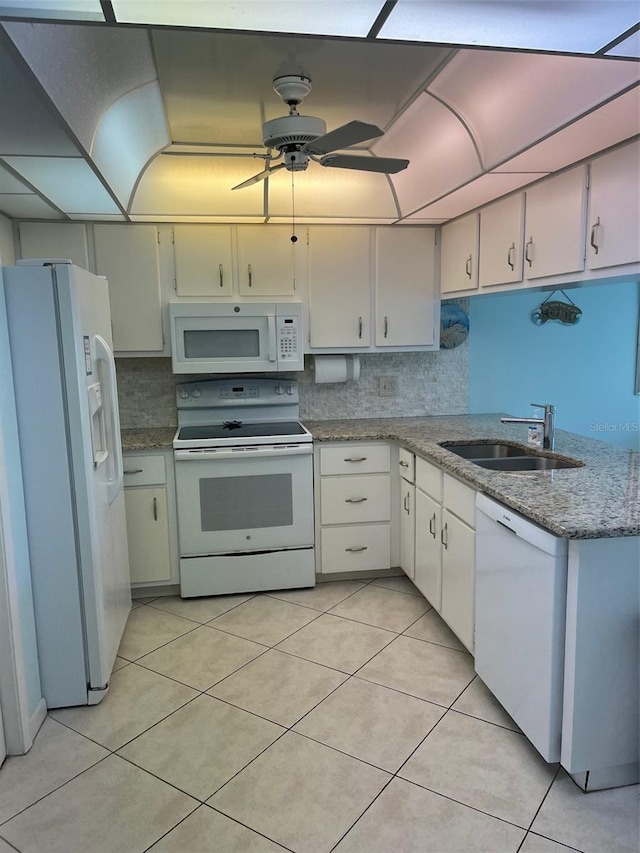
(353, 507)
(445, 547)
(151, 519)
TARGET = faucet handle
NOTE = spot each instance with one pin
(546, 406)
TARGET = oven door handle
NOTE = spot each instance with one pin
(242, 453)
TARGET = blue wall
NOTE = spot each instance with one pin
(587, 370)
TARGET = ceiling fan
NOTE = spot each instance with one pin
(299, 138)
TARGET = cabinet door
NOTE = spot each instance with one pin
(54, 240)
(458, 577)
(407, 528)
(554, 225)
(428, 558)
(459, 254)
(148, 535)
(128, 256)
(405, 286)
(203, 260)
(614, 208)
(267, 260)
(501, 230)
(339, 286)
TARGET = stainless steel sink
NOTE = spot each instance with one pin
(498, 456)
(487, 450)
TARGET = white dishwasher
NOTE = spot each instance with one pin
(521, 593)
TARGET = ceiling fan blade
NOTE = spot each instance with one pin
(259, 177)
(343, 137)
(386, 165)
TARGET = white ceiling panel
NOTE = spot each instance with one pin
(439, 149)
(10, 184)
(85, 69)
(218, 86)
(331, 192)
(197, 186)
(24, 206)
(628, 47)
(577, 26)
(205, 220)
(69, 10)
(68, 182)
(510, 100)
(478, 192)
(97, 217)
(129, 134)
(614, 122)
(331, 17)
(332, 220)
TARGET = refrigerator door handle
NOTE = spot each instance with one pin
(104, 354)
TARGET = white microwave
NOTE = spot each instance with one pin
(236, 337)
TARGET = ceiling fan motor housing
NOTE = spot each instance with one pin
(291, 130)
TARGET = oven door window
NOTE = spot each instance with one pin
(246, 503)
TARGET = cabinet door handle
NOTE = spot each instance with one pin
(386, 326)
(404, 464)
(527, 253)
(355, 459)
(155, 509)
(359, 548)
(443, 536)
(592, 240)
(355, 500)
(221, 274)
(511, 256)
(360, 327)
(250, 272)
(467, 266)
(133, 470)
(406, 503)
(432, 525)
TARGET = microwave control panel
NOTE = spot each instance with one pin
(288, 339)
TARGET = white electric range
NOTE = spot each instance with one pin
(244, 482)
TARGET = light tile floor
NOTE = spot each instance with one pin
(346, 718)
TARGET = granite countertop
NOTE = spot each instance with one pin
(599, 500)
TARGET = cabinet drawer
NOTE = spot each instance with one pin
(144, 470)
(355, 459)
(358, 547)
(429, 479)
(407, 464)
(460, 500)
(349, 500)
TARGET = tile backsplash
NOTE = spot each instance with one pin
(429, 383)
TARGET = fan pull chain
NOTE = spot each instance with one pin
(294, 238)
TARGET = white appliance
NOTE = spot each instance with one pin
(236, 337)
(244, 484)
(67, 409)
(521, 595)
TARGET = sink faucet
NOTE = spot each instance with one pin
(548, 423)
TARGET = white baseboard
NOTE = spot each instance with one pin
(37, 719)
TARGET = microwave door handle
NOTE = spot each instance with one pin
(272, 337)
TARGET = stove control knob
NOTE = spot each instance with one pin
(279, 390)
(184, 394)
(290, 390)
(196, 393)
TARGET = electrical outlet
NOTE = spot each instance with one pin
(387, 386)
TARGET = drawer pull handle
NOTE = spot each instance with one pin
(355, 500)
(404, 464)
(360, 548)
(443, 537)
(133, 470)
(356, 459)
(155, 509)
(432, 525)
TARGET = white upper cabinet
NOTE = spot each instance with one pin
(459, 254)
(339, 286)
(555, 225)
(54, 240)
(614, 208)
(404, 287)
(203, 265)
(267, 260)
(128, 256)
(501, 231)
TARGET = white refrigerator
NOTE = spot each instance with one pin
(67, 408)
